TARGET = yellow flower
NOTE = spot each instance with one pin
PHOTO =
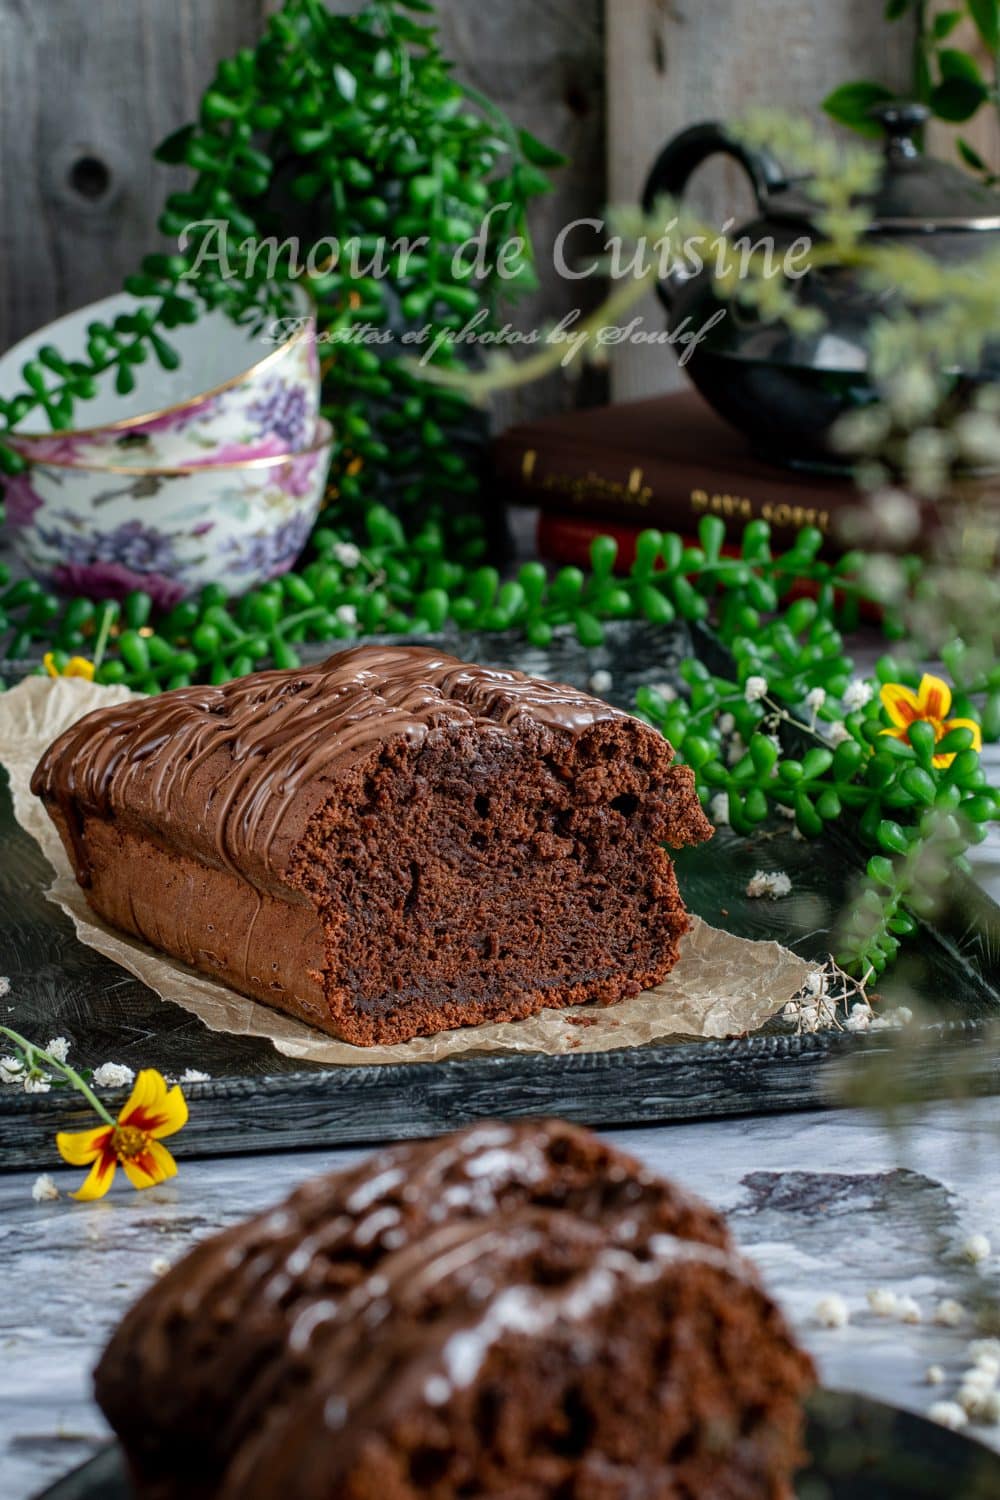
(931, 703)
(77, 666)
(152, 1112)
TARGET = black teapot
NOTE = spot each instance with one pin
(784, 390)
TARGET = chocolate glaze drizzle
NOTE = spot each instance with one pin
(349, 1296)
(272, 732)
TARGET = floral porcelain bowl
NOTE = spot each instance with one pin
(236, 394)
(102, 530)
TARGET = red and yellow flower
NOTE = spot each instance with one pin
(930, 704)
(152, 1112)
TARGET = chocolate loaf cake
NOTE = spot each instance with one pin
(389, 844)
(514, 1310)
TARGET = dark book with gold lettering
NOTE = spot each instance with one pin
(663, 462)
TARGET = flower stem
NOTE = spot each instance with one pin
(33, 1054)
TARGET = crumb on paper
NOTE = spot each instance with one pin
(949, 1313)
(772, 883)
(583, 1020)
(976, 1248)
(882, 1301)
(159, 1265)
(934, 1375)
(948, 1414)
(112, 1075)
(831, 1311)
(601, 681)
(44, 1190)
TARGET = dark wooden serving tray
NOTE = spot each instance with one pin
(258, 1099)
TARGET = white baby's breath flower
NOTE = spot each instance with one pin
(986, 1353)
(836, 733)
(814, 982)
(831, 1311)
(736, 751)
(857, 694)
(601, 681)
(33, 1085)
(718, 809)
(754, 689)
(346, 553)
(772, 883)
(43, 1189)
(666, 690)
(58, 1048)
(948, 1414)
(981, 1376)
(979, 1403)
(934, 1375)
(725, 724)
(347, 614)
(949, 1313)
(11, 1070)
(4, 986)
(815, 699)
(113, 1076)
(976, 1248)
(193, 1075)
(908, 1310)
(882, 1301)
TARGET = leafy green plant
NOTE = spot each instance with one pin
(947, 78)
(791, 681)
(347, 132)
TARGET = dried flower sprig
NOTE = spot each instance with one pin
(133, 1140)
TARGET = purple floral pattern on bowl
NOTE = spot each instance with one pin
(86, 531)
(273, 408)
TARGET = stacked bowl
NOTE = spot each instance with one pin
(210, 472)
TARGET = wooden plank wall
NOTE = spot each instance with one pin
(672, 62)
(87, 88)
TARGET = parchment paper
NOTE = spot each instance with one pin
(722, 985)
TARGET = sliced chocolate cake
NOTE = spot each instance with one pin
(387, 845)
(515, 1310)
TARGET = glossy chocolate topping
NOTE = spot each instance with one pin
(264, 737)
(272, 1309)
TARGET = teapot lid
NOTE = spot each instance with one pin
(916, 193)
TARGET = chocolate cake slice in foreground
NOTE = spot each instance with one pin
(511, 1311)
(387, 845)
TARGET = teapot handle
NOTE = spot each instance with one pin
(682, 156)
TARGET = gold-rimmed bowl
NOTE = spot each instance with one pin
(105, 529)
(237, 393)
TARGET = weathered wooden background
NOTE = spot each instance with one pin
(87, 87)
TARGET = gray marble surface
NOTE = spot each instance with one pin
(825, 1202)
